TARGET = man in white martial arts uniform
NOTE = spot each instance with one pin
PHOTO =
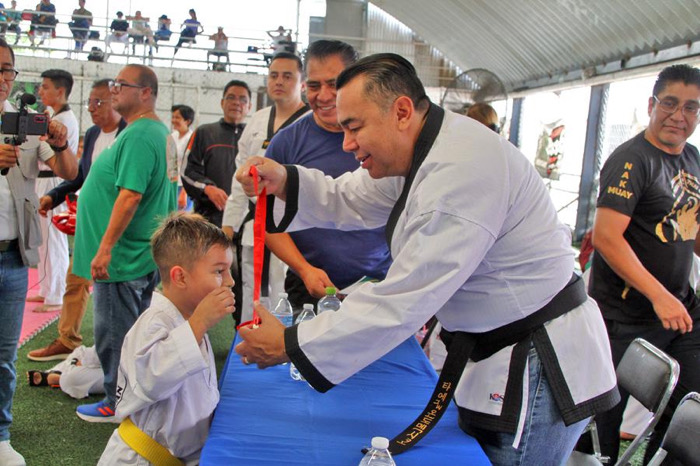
(284, 84)
(56, 86)
(475, 240)
(167, 385)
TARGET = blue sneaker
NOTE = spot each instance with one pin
(96, 412)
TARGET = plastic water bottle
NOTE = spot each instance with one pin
(330, 302)
(307, 313)
(283, 311)
(379, 454)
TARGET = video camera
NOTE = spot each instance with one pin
(22, 124)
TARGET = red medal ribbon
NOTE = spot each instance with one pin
(258, 240)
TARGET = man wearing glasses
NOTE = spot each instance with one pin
(211, 154)
(130, 187)
(645, 233)
(20, 236)
(108, 124)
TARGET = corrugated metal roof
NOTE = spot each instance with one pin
(539, 41)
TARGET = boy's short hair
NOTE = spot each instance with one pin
(183, 239)
(60, 78)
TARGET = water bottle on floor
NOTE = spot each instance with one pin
(283, 311)
(379, 454)
(330, 302)
(307, 313)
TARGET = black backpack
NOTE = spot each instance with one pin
(96, 54)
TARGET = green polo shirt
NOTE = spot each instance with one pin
(143, 159)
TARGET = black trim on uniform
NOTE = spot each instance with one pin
(302, 363)
(291, 205)
(570, 412)
(507, 421)
(426, 138)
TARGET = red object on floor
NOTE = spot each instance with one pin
(34, 322)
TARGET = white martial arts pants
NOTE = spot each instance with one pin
(53, 252)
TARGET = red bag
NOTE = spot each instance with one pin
(65, 221)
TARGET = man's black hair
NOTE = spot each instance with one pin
(238, 83)
(288, 56)
(322, 49)
(101, 83)
(388, 76)
(186, 111)
(60, 78)
(686, 74)
(5, 45)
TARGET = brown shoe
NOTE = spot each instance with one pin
(55, 351)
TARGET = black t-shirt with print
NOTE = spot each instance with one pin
(660, 192)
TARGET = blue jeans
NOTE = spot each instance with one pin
(545, 439)
(117, 306)
(13, 291)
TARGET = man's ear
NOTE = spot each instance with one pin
(404, 110)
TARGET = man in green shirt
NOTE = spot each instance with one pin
(129, 189)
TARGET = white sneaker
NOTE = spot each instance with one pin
(8, 455)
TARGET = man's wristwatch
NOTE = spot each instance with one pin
(59, 149)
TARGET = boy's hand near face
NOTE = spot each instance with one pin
(214, 307)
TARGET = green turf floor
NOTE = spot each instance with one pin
(46, 429)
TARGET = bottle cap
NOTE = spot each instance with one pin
(308, 306)
(282, 294)
(330, 290)
(380, 443)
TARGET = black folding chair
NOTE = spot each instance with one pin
(682, 439)
(649, 375)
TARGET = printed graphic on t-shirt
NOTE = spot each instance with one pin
(681, 223)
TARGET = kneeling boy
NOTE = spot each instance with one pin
(167, 388)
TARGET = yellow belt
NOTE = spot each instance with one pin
(145, 446)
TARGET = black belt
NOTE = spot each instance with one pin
(46, 174)
(9, 245)
(463, 346)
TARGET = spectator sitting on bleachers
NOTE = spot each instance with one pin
(191, 27)
(220, 47)
(80, 26)
(140, 31)
(163, 32)
(119, 28)
(282, 40)
(43, 22)
(14, 17)
(3, 21)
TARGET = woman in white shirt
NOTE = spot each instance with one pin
(181, 120)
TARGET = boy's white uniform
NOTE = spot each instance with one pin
(166, 385)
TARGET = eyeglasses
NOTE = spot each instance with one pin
(9, 74)
(690, 109)
(96, 102)
(233, 98)
(116, 86)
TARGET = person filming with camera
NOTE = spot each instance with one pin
(19, 226)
